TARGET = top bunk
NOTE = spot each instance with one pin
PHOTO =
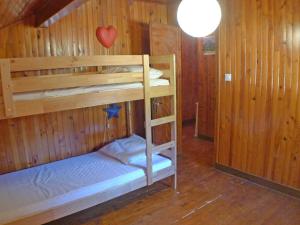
(62, 87)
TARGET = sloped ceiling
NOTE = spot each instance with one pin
(12, 11)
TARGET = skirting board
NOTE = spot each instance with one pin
(261, 181)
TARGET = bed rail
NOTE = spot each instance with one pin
(39, 83)
(62, 62)
(10, 108)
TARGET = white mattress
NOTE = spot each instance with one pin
(85, 90)
(38, 189)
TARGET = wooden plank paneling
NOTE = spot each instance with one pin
(142, 14)
(259, 111)
(198, 85)
(190, 75)
(166, 39)
(30, 141)
(198, 79)
(206, 91)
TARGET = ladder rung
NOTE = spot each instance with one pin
(158, 149)
(163, 120)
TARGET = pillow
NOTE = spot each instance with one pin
(154, 73)
(133, 144)
(114, 151)
(126, 149)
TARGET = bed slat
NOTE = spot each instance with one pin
(51, 104)
(62, 62)
(161, 59)
(158, 149)
(60, 81)
(163, 120)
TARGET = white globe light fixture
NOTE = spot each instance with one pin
(199, 18)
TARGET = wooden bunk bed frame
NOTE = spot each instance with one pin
(10, 108)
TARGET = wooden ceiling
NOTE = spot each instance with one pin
(47, 11)
(14, 10)
(159, 1)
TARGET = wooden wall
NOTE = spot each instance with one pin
(30, 141)
(190, 75)
(206, 91)
(198, 84)
(259, 111)
(142, 14)
(198, 79)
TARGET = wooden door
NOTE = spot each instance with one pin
(190, 76)
(166, 39)
(206, 91)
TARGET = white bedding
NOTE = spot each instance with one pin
(37, 189)
(126, 149)
(85, 90)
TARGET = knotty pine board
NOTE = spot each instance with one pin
(259, 111)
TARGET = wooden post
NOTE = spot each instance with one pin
(174, 112)
(7, 88)
(196, 120)
(148, 118)
(129, 118)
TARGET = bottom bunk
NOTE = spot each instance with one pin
(48, 192)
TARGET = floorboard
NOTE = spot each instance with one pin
(205, 196)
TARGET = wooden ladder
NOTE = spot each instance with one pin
(149, 123)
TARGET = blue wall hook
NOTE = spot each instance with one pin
(113, 111)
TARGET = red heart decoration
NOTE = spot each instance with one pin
(106, 35)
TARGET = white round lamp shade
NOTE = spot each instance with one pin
(199, 18)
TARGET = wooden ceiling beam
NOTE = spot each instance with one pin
(54, 10)
(155, 1)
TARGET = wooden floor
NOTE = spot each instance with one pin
(205, 196)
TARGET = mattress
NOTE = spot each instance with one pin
(84, 90)
(44, 187)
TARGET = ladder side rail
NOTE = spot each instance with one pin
(174, 112)
(148, 117)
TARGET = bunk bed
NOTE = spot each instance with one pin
(48, 192)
